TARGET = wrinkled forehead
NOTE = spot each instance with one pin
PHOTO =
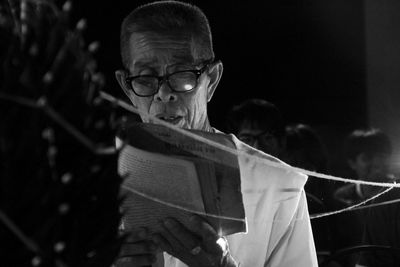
(151, 49)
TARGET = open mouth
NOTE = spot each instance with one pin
(170, 118)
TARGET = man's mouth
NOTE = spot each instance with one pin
(173, 119)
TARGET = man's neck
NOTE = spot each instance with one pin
(206, 127)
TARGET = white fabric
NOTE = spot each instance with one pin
(279, 229)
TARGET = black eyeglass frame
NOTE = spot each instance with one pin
(165, 78)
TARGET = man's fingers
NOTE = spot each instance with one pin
(170, 238)
(160, 241)
(206, 232)
(179, 232)
(202, 228)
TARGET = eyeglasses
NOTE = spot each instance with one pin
(179, 82)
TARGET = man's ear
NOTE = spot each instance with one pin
(120, 75)
(215, 74)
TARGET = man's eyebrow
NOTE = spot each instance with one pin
(182, 65)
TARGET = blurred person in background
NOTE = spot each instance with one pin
(304, 149)
(367, 153)
(259, 124)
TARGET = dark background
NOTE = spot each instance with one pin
(306, 56)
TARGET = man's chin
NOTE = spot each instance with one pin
(178, 122)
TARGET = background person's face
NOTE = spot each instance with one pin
(156, 54)
(371, 168)
(259, 139)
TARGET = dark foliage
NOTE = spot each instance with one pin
(59, 186)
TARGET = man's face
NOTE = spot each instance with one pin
(161, 54)
(259, 139)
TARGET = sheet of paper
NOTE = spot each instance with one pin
(161, 180)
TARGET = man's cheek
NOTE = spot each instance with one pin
(145, 105)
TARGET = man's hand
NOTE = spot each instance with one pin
(138, 250)
(196, 246)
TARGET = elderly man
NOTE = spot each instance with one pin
(171, 74)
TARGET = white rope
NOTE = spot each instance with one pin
(235, 152)
(353, 207)
(179, 207)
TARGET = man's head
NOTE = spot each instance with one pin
(259, 124)
(170, 73)
(368, 153)
(305, 149)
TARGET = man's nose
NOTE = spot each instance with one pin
(165, 94)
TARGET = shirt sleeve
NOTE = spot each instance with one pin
(296, 245)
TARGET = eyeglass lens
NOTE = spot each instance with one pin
(180, 82)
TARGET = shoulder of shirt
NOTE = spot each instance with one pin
(276, 164)
(249, 149)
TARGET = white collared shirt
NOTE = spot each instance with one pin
(279, 229)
